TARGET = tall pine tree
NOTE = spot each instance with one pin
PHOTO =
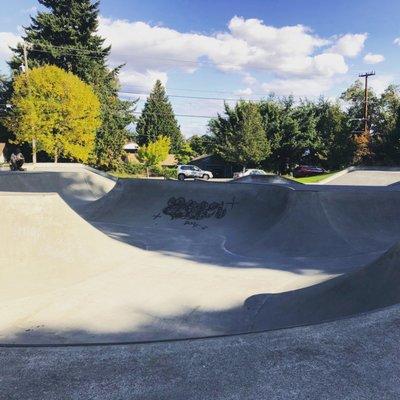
(158, 119)
(65, 36)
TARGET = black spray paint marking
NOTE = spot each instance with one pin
(180, 208)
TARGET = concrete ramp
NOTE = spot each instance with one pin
(365, 176)
(64, 281)
(314, 229)
(76, 185)
(372, 287)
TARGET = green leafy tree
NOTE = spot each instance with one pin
(292, 132)
(158, 119)
(154, 153)
(185, 153)
(58, 110)
(333, 129)
(65, 35)
(363, 141)
(201, 145)
(239, 134)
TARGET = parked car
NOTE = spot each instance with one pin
(191, 171)
(307, 170)
(248, 172)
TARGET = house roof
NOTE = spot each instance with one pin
(170, 160)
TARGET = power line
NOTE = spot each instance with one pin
(75, 51)
(181, 115)
(187, 97)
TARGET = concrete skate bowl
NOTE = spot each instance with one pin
(76, 185)
(263, 224)
(191, 261)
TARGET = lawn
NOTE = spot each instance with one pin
(313, 179)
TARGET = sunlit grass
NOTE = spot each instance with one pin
(313, 179)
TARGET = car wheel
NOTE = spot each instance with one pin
(181, 177)
(206, 177)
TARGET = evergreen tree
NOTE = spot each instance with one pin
(65, 36)
(5, 95)
(239, 136)
(201, 145)
(158, 119)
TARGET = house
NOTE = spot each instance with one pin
(216, 165)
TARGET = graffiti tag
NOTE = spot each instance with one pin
(180, 208)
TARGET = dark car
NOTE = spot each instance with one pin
(307, 170)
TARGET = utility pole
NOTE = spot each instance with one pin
(26, 70)
(366, 75)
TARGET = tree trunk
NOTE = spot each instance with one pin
(34, 151)
(148, 172)
(55, 157)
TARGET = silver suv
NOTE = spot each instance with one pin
(191, 171)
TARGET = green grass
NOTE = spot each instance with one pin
(313, 179)
(126, 175)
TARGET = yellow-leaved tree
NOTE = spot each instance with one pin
(58, 110)
(154, 153)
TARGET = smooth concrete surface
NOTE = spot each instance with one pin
(155, 260)
(165, 260)
(76, 184)
(352, 359)
(365, 176)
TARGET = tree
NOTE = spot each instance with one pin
(5, 95)
(185, 153)
(158, 119)
(364, 142)
(65, 36)
(292, 132)
(239, 135)
(201, 145)
(154, 153)
(338, 146)
(58, 110)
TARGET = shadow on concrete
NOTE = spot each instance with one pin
(372, 287)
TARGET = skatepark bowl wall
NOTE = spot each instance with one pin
(98, 261)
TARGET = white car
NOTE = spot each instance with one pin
(249, 172)
(191, 171)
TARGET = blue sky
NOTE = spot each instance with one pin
(231, 49)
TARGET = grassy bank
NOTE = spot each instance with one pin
(313, 179)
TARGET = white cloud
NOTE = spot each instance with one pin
(303, 87)
(380, 82)
(7, 39)
(349, 45)
(142, 82)
(248, 43)
(373, 58)
(244, 92)
(397, 41)
(249, 80)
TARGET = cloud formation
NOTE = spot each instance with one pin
(7, 39)
(373, 58)
(350, 45)
(289, 52)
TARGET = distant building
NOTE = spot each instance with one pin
(216, 165)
